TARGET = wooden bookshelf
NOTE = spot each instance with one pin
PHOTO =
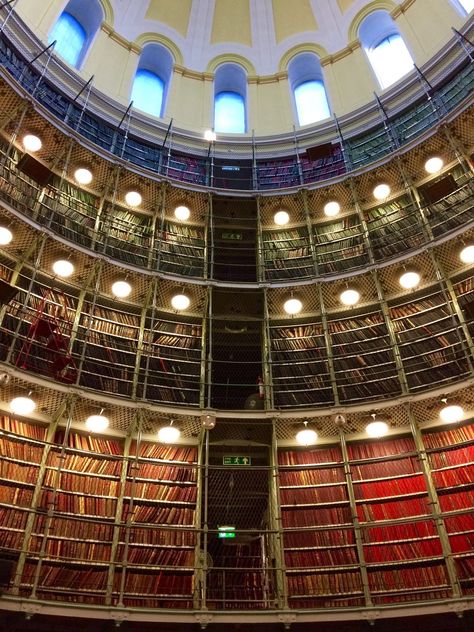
(181, 249)
(340, 245)
(286, 254)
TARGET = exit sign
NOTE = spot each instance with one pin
(236, 460)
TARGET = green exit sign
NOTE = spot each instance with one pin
(226, 532)
(236, 460)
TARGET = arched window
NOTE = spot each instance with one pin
(151, 80)
(387, 52)
(464, 6)
(75, 29)
(230, 92)
(307, 85)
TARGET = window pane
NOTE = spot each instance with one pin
(147, 92)
(467, 5)
(70, 38)
(390, 60)
(229, 113)
(311, 102)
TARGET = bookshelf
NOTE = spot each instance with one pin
(300, 366)
(340, 245)
(286, 254)
(451, 459)
(394, 227)
(182, 249)
(125, 235)
(320, 553)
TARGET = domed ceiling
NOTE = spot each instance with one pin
(261, 31)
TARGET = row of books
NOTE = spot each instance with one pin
(330, 583)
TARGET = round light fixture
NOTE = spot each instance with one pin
(306, 436)
(133, 198)
(381, 191)
(210, 136)
(83, 176)
(451, 413)
(97, 423)
(331, 209)
(180, 302)
(466, 255)
(409, 280)
(169, 434)
(22, 405)
(281, 218)
(63, 268)
(376, 429)
(434, 165)
(349, 297)
(182, 213)
(32, 143)
(121, 289)
(293, 306)
(5, 236)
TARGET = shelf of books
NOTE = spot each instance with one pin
(394, 227)
(430, 340)
(340, 245)
(401, 546)
(451, 459)
(364, 361)
(320, 551)
(286, 254)
(300, 366)
(157, 536)
(85, 522)
(181, 249)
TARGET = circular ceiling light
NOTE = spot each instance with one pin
(32, 143)
(169, 434)
(210, 136)
(331, 209)
(381, 191)
(5, 236)
(409, 280)
(180, 302)
(307, 437)
(293, 306)
(133, 198)
(349, 297)
(63, 268)
(83, 176)
(451, 413)
(376, 429)
(466, 255)
(434, 165)
(182, 213)
(97, 423)
(121, 289)
(22, 405)
(281, 218)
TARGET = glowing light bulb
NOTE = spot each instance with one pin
(409, 280)
(121, 289)
(281, 218)
(97, 423)
(467, 254)
(180, 302)
(307, 436)
(32, 143)
(22, 405)
(182, 213)
(5, 236)
(434, 165)
(133, 198)
(210, 136)
(293, 306)
(63, 268)
(331, 209)
(451, 413)
(349, 297)
(376, 429)
(169, 434)
(381, 191)
(83, 176)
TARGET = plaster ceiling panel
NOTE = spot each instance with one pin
(299, 19)
(174, 14)
(231, 22)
